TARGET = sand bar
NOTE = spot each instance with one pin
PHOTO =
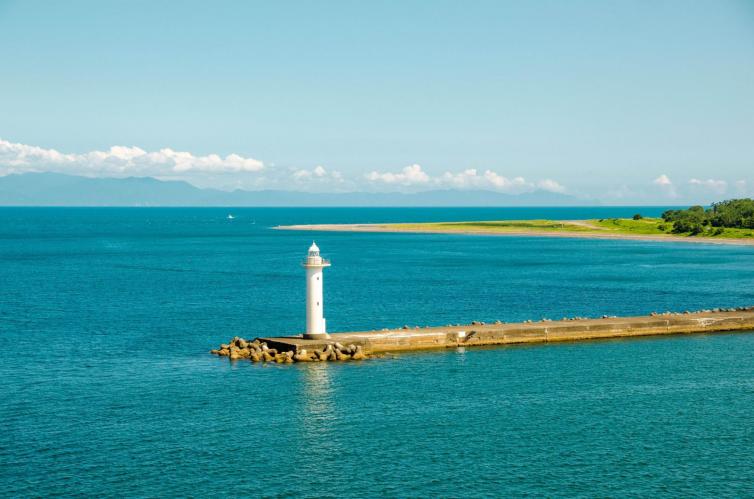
(588, 233)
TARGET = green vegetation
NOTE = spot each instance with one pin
(732, 214)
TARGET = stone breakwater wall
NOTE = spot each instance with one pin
(361, 345)
(259, 351)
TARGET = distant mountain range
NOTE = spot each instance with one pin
(55, 189)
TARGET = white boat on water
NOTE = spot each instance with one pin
(230, 216)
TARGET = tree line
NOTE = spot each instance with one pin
(734, 213)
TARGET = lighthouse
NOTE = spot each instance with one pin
(315, 320)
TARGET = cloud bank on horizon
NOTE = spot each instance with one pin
(236, 171)
(219, 171)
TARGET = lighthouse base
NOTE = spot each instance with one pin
(316, 336)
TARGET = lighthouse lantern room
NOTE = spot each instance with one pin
(315, 321)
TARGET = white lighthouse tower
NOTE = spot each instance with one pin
(315, 321)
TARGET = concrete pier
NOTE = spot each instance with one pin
(396, 340)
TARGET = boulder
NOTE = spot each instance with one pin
(242, 343)
(302, 357)
(342, 356)
(224, 346)
(215, 352)
(267, 357)
(358, 356)
(255, 357)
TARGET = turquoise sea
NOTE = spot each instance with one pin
(107, 388)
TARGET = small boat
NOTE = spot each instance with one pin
(230, 216)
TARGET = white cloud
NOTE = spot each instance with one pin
(716, 186)
(666, 185)
(550, 185)
(662, 180)
(409, 175)
(120, 160)
(318, 173)
(469, 178)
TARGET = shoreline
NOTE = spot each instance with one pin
(597, 234)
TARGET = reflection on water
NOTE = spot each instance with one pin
(316, 391)
(318, 416)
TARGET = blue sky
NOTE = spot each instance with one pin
(621, 102)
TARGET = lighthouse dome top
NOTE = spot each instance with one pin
(313, 259)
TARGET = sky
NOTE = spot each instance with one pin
(616, 102)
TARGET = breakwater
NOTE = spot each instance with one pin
(362, 345)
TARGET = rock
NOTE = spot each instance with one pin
(333, 355)
(280, 358)
(224, 352)
(267, 357)
(323, 355)
(351, 349)
(242, 343)
(358, 356)
(244, 353)
(234, 355)
(405, 326)
(255, 357)
(224, 346)
(339, 346)
(265, 347)
(215, 352)
(272, 351)
(302, 357)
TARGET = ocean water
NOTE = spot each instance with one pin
(107, 387)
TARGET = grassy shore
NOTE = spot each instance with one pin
(624, 226)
